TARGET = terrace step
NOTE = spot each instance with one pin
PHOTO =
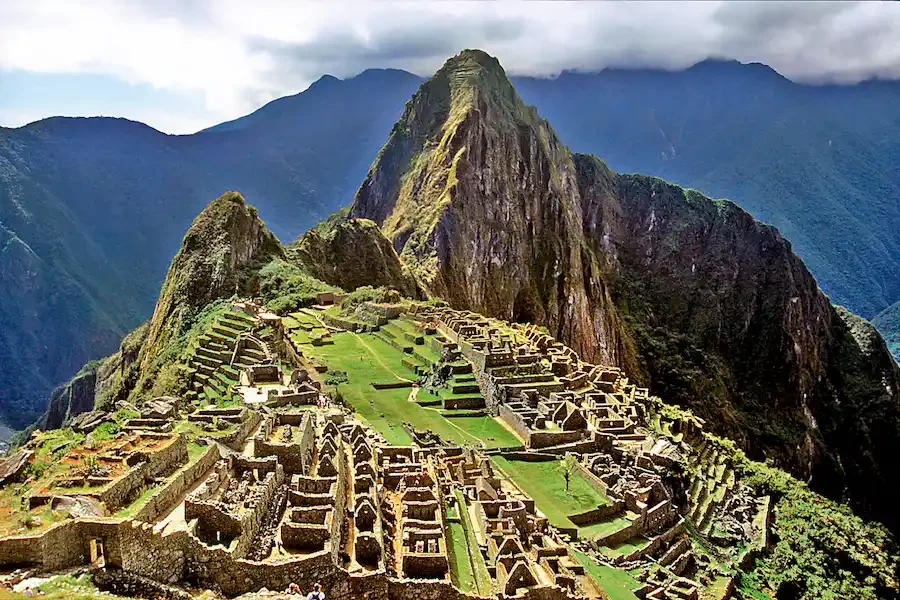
(466, 388)
(218, 355)
(224, 331)
(206, 360)
(242, 321)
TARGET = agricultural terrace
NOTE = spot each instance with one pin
(544, 482)
(367, 358)
(615, 582)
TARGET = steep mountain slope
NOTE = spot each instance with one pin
(888, 323)
(91, 211)
(694, 297)
(221, 254)
(820, 162)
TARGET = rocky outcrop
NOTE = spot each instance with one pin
(692, 296)
(220, 255)
(350, 253)
(480, 198)
(74, 397)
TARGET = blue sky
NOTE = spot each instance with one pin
(181, 66)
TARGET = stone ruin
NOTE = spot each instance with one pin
(301, 492)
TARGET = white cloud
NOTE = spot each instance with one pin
(238, 54)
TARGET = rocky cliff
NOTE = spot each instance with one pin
(350, 253)
(692, 296)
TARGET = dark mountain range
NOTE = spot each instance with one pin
(91, 210)
(821, 163)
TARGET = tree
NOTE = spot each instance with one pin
(567, 467)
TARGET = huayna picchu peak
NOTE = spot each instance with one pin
(503, 371)
(691, 296)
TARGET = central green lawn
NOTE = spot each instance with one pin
(627, 547)
(488, 430)
(544, 482)
(365, 359)
(603, 528)
(615, 582)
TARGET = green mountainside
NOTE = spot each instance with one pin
(92, 210)
(818, 549)
(693, 297)
(888, 323)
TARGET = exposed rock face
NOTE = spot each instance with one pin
(353, 253)
(481, 200)
(74, 397)
(691, 296)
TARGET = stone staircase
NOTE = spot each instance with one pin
(214, 366)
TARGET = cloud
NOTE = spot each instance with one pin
(238, 54)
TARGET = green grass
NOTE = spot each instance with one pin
(365, 359)
(544, 482)
(628, 546)
(482, 577)
(615, 582)
(488, 430)
(603, 528)
(139, 502)
(69, 587)
(462, 574)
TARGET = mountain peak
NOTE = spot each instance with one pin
(225, 239)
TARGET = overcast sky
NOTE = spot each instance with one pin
(180, 65)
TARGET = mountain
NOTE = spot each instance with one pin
(91, 211)
(222, 253)
(888, 323)
(815, 548)
(693, 297)
(820, 162)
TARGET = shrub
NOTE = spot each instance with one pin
(287, 283)
(335, 377)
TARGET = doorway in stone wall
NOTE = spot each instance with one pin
(98, 556)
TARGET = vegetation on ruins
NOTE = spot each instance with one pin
(543, 482)
(286, 287)
(567, 467)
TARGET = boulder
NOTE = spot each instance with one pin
(163, 407)
(12, 469)
(89, 421)
(78, 506)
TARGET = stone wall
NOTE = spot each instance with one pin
(514, 420)
(235, 440)
(168, 458)
(545, 439)
(126, 488)
(182, 481)
(470, 402)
